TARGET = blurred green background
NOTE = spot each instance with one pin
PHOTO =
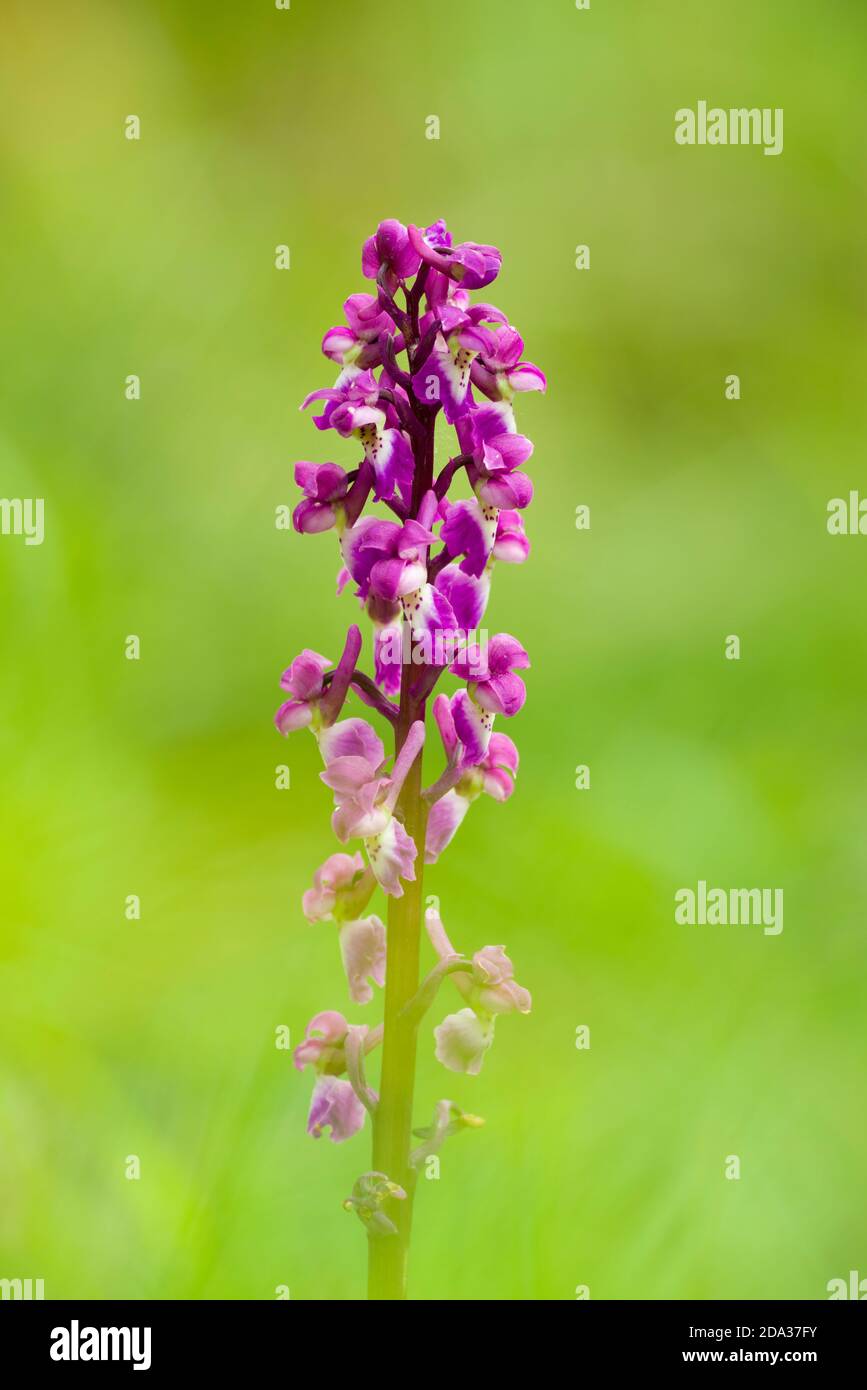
(156, 1038)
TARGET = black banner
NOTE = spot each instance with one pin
(160, 1338)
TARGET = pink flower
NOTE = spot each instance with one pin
(324, 486)
(365, 798)
(462, 1039)
(335, 1106)
(303, 681)
(334, 1103)
(312, 705)
(492, 688)
(362, 946)
(444, 376)
(389, 253)
(472, 264)
(357, 341)
(335, 895)
(323, 1045)
(498, 370)
(490, 988)
(494, 775)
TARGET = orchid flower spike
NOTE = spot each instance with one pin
(418, 352)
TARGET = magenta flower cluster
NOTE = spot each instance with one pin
(413, 349)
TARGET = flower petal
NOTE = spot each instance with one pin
(392, 855)
(462, 1040)
(446, 815)
(362, 946)
(351, 738)
(334, 1105)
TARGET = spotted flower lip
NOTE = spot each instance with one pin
(469, 529)
(365, 797)
(392, 854)
(444, 376)
(494, 773)
(467, 595)
(470, 771)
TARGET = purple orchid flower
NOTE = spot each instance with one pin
(356, 343)
(489, 434)
(324, 486)
(386, 616)
(510, 543)
(303, 680)
(464, 780)
(492, 688)
(314, 705)
(499, 372)
(473, 265)
(444, 376)
(389, 254)
(352, 409)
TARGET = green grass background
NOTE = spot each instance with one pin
(600, 1167)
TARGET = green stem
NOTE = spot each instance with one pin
(392, 1127)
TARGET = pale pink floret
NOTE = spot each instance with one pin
(303, 681)
(490, 988)
(362, 946)
(351, 738)
(331, 882)
(462, 1039)
(445, 817)
(392, 856)
(334, 1105)
(365, 799)
(323, 1043)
